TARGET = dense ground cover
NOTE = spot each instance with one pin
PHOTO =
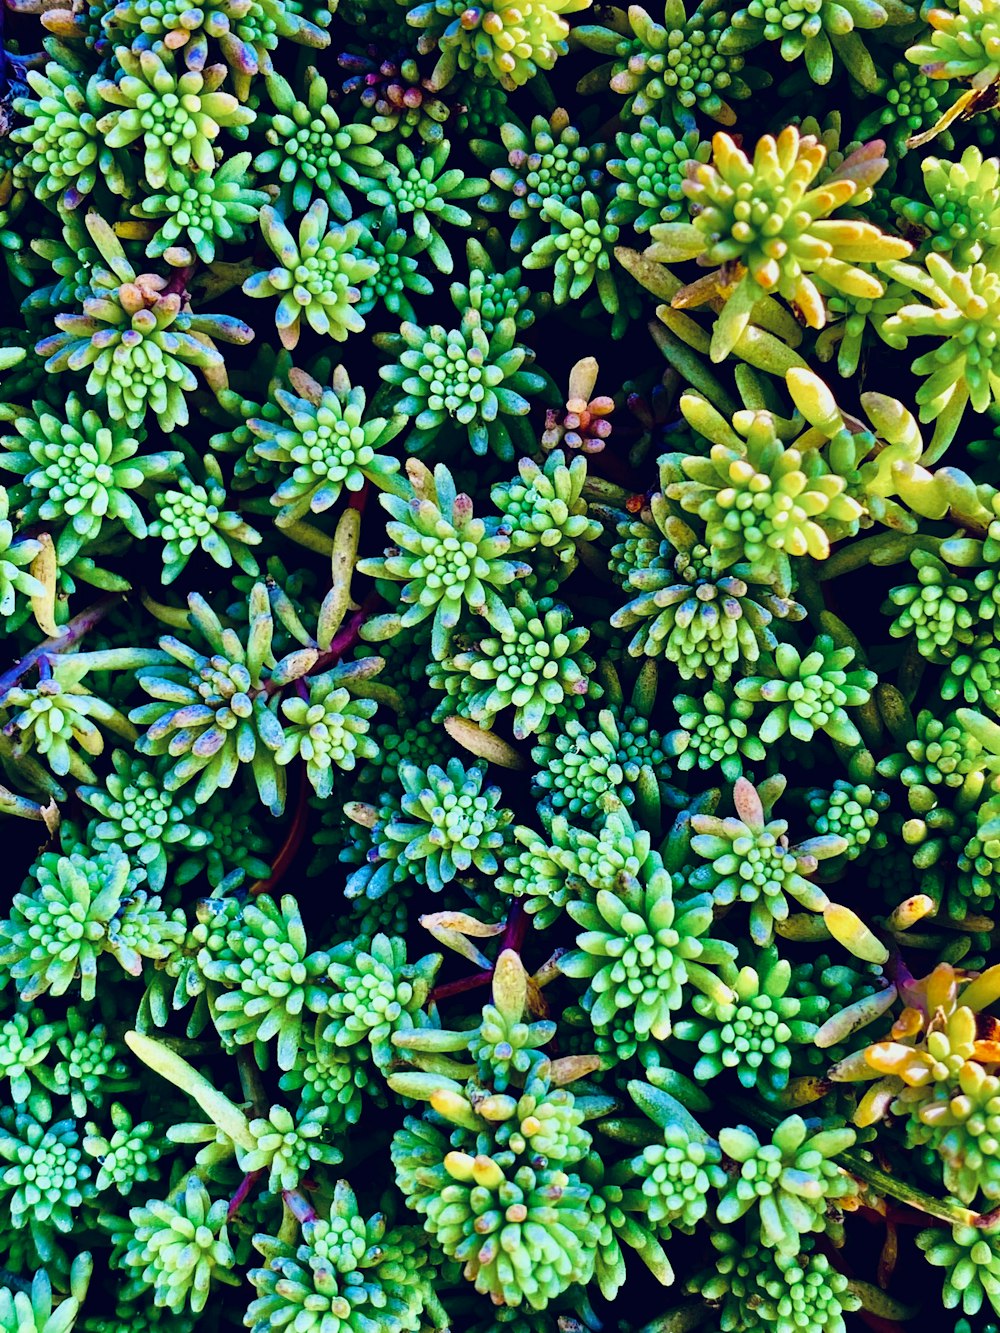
(499, 578)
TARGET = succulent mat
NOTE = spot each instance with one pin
(500, 689)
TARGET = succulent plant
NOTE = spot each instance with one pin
(762, 503)
(316, 276)
(56, 934)
(958, 45)
(322, 440)
(178, 1247)
(202, 211)
(287, 1147)
(16, 558)
(579, 248)
(707, 624)
(533, 662)
(65, 153)
(651, 173)
(341, 1277)
(494, 296)
(680, 62)
(549, 160)
(422, 195)
(960, 219)
(819, 33)
(177, 114)
(750, 860)
(30, 1308)
(46, 1179)
(970, 1258)
(246, 33)
(792, 1290)
(128, 1156)
(960, 307)
(912, 102)
(397, 96)
(503, 42)
(79, 471)
(464, 380)
(543, 506)
(599, 764)
(769, 214)
(270, 976)
(449, 824)
(614, 623)
(789, 1180)
(138, 339)
(639, 949)
(374, 993)
(714, 731)
(810, 693)
(676, 1174)
(851, 811)
(311, 152)
(192, 517)
(583, 422)
(755, 1032)
(446, 558)
(328, 729)
(217, 706)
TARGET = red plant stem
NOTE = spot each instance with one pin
(342, 642)
(460, 986)
(243, 1191)
(878, 1323)
(72, 632)
(899, 1217)
(178, 281)
(293, 840)
(359, 499)
(615, 468)
(903, 979)
(512, 938)
(516, 929)
(346, 637)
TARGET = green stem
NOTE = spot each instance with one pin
(891, 1187)
(892, 548)
(173, 1067)
(876, 1301)
(809, 592)
(72, 631)
(176, 617)
(884, 1184)
(12, 804)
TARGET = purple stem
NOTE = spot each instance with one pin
(178, 282)
(293, 841)
(342, 641)
(72, 632)
(512, 938)
(243, 1192)
(299, 1206)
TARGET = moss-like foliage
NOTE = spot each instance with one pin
(500, 710)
